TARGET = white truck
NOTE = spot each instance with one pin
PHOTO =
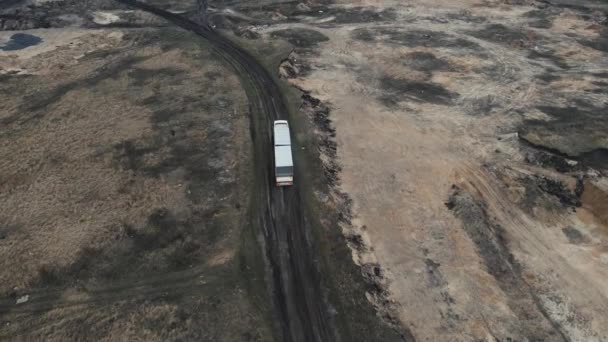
(283, 162)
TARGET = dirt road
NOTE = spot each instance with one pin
(301, 307)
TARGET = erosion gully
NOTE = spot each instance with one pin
(301, 310)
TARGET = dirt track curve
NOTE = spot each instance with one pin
(301, 309)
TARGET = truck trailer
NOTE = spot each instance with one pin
(283, 161)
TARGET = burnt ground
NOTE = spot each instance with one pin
(124, 189)
(503, 99)
(301, 38)
(493, 107)
(192, 251)
(533, 321)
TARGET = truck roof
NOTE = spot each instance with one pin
(282, 155)
(281, 133)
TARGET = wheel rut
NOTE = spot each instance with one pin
(301, 308)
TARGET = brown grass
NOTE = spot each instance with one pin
(118, 184)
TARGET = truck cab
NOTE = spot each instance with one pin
(283, 161)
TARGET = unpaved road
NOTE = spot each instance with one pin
(299, 299)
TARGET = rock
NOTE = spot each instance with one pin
(303, 7)
(23, 299)
(105, 18)
(293, 67)
(592, 173)
(246, 32)
(277, 16)
(288, 70)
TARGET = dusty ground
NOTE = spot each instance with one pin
(127, 186)
(471, 138)
(123, 190)
(464, 143)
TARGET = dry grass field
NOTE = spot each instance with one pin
(122, 180)
(462, 149)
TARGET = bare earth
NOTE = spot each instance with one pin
(478, 234)
(464, 144)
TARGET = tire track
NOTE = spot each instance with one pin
(300, 303)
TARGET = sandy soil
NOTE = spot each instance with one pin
(477, 234)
